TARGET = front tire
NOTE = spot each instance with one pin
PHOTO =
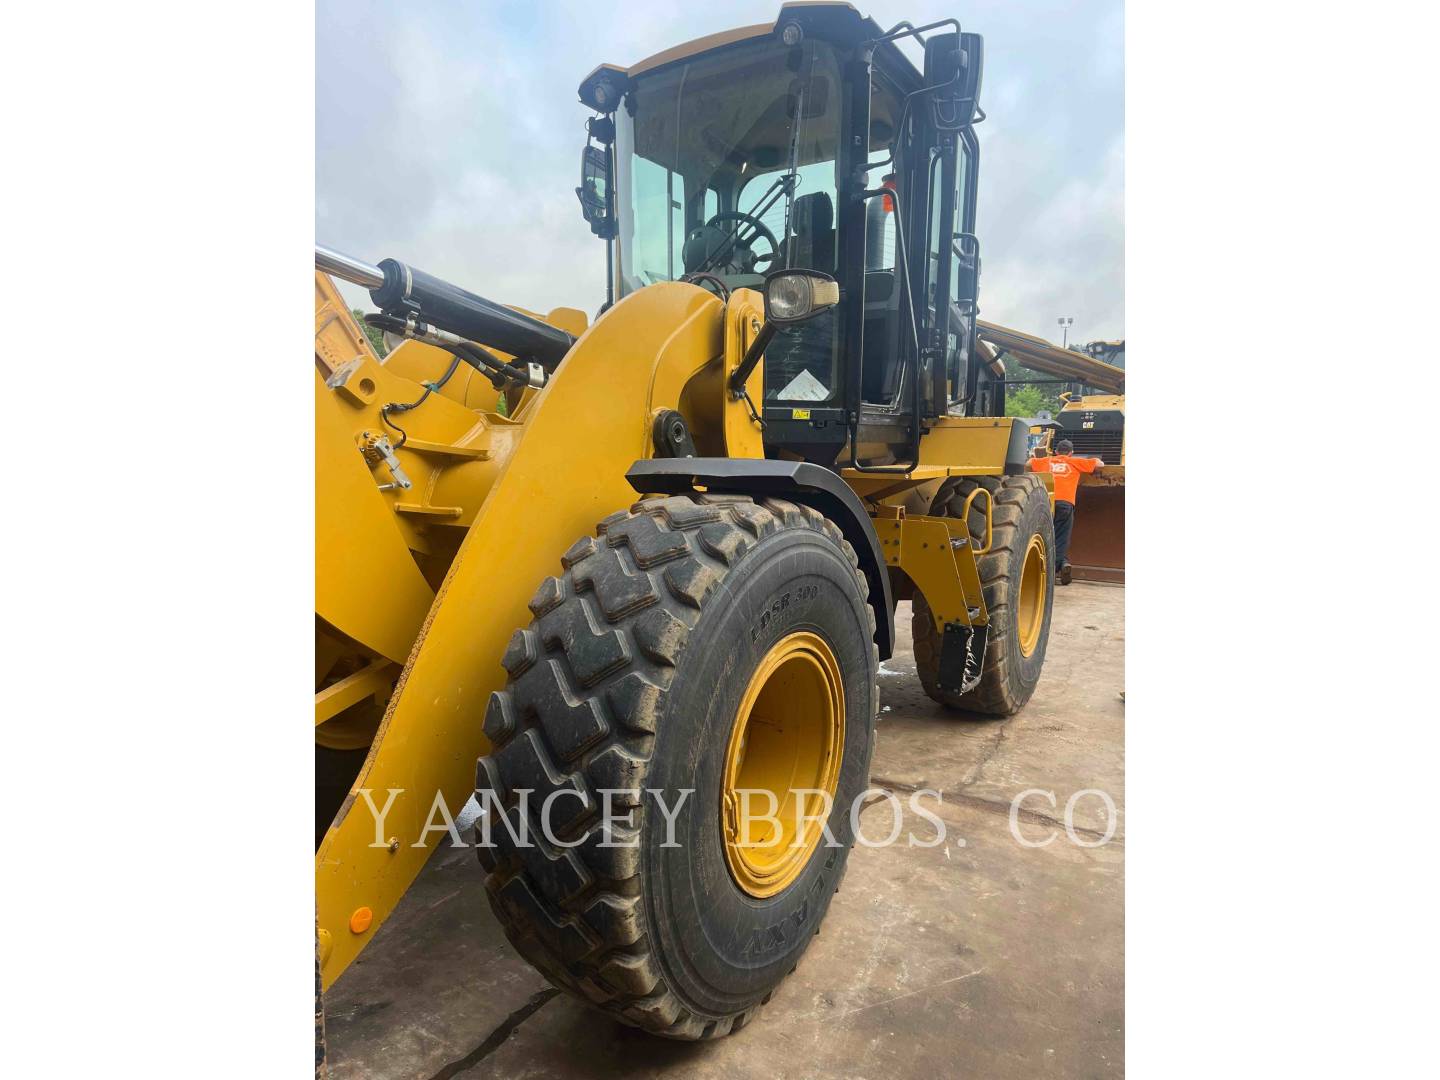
(638, 671)
(1017, 577)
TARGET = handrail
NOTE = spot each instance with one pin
(989, 517)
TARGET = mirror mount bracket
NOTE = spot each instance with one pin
(601, 129)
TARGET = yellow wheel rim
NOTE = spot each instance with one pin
(1031, 616)
(788, 740)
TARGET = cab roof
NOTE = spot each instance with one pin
(833, 19)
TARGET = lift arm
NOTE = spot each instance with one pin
(1040, 355)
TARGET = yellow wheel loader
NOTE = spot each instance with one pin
(644, 570)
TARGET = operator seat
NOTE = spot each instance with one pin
(813, 224)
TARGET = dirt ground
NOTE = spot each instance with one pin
(978, 957)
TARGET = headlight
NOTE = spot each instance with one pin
(789, 297)
(795, 295)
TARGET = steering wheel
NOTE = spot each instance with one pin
(741, 246)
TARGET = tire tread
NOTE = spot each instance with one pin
(996, 694)
(587, 681)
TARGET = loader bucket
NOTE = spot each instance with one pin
(1097, 545)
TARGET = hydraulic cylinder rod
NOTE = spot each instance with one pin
(337, 264)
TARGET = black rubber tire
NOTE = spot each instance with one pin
(1022, 509)
(629, 677)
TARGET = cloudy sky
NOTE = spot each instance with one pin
(448, 135)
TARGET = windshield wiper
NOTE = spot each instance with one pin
(794, 165)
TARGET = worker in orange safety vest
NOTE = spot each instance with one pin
(1066, 470)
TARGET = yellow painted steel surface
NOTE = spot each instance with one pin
(744, 318)
(373, 679)
(546, 479)
(370, 590)
(935, 553)
(1030, 619)
(955, 446)
(786, 743)
(338, 340)
(1094, 403)
(367, 585)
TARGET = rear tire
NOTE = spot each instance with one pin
(1021, 514)
(630, 677)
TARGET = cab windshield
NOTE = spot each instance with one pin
(725, 165)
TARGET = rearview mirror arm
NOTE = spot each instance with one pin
(741, 375)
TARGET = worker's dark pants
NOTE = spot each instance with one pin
(1064, 519)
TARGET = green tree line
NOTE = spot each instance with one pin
(377, 339)
(1030, 400)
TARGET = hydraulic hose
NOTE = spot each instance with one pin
(487, 363)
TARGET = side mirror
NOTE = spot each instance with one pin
(594, 190)
(953, 66)
(792, 296)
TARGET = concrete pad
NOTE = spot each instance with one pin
(1069, 737)
(976, 957)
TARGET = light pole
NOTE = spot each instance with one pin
(1065, 321)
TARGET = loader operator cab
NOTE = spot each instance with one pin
(815, 144)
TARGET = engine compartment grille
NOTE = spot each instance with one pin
(1105, 445)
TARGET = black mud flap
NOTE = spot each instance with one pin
(962, 657)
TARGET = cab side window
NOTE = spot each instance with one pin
(962, 284)
(964, 268)
(937, 238)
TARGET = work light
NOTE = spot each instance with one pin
(794, 295)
